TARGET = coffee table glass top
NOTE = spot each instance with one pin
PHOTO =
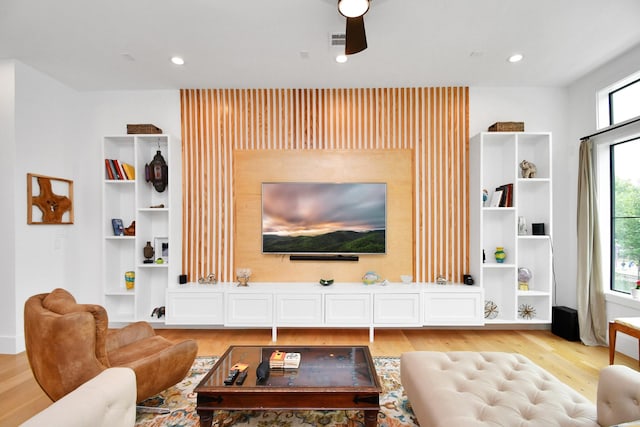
(320, 367)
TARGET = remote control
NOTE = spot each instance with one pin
(233, 374)
(242, 377)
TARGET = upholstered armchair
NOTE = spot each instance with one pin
(68, 344)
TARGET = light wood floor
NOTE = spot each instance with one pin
(573, 363)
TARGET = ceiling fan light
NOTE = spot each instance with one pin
(353, 8)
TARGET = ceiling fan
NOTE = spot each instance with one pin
(356, 38)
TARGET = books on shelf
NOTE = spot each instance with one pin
(129, 170)
(502, 196)
(117, 170)
(281, 360)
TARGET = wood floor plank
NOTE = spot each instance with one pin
(573, 363)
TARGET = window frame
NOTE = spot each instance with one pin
(610, 99)
(612, 213)
(603, 181)
(604, 114)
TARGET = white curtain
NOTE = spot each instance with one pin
(591, 302)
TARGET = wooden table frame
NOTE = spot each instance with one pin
(614, 327)
(249, 397)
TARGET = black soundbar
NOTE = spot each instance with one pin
(323, 257)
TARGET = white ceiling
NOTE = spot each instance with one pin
(118, 44)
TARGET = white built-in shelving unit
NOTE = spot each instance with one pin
(495, 161)
(137, 200)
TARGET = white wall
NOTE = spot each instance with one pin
(541, 110)
(47, 125)
(582, 120)
(7, 214)
(50, 129)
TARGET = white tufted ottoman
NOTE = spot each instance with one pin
(489, 389)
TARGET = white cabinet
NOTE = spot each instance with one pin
(396, 309)
(157, 217)
(495, 159)
(341, 305)
(348, 309)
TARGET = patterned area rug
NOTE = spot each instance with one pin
(395, 410)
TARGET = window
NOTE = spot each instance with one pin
(617, 159)
(625, 215)
(624, 103)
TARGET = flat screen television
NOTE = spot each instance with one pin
(324, 218)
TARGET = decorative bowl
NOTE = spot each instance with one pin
(326, 282)
(370, 278)
(406, 278)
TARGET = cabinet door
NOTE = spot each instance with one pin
(300, 309)
(348, 309)
(462, 308)
(249, 309)
(396, 309)
(195, 308)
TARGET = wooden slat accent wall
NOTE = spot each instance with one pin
(433, 122)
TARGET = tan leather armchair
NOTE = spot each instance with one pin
(68, 344)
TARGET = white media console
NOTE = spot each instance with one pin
(340, 305)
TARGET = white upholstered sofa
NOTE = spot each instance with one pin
(106, 400)
(505, 389)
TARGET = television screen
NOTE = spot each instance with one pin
(324, 218)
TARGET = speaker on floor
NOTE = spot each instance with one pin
(564, 323)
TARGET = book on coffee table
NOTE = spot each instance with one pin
(291, 360)
(276, 361)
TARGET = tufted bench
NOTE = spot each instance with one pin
(505, 389)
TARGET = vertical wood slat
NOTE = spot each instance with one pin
(431, 121)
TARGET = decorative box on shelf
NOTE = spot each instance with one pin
(507, 127)
(143, 129)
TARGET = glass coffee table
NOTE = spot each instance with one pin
(328, 378)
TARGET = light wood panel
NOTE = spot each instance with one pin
(573, 363)
(432, 122)
(253, 167)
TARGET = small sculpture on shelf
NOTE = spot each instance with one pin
(148, 253)
(209, 280)
(528, 169)
(524, 276)
(157, 172)
(158, 312)
(370, 277)
(526, 311)
(441, 279)
(243, 275)
(130, 230)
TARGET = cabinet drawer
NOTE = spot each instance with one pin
(464, 308)
(195, 308)
(302, 309)
(396, 309)
(249, 309)
(348, 309)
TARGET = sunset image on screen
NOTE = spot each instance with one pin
(323, 217)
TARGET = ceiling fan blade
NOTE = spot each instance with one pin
(356, 38)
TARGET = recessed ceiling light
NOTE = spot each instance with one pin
(516, 57)
(177, 60)
(353, 8)
(341, 59)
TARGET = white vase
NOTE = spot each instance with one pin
(635, 293)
